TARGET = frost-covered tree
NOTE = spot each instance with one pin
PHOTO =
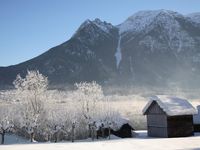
(88, 94)
(63, 120)
(56, 121)
(6, 121)
(71, 115)
(31, 94)
(32, 87)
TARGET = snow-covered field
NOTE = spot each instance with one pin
(140, 142)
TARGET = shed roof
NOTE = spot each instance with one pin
(116, 124)
(172, 106)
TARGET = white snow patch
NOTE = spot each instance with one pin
(103, 25)
(145, 21)
(179, 46)
(118, 54)
(131, 65)
(172, 106)
(142, 19)
(140, 142)
(138, 21)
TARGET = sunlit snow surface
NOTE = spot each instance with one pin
(140, 142)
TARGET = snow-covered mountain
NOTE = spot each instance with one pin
(154, 48)
(160, 47)
(195, 17)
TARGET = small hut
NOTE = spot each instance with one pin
(125, 131)
(169, 116)
(120, 128)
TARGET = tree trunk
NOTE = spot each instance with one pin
(55, 138)
(109, 132)
(89, 127)
(92, 134)
(3, 137)
(49, 137)
(73, 134)
(32, 137)
(102, 132)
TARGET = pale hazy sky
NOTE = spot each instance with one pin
(30, 27)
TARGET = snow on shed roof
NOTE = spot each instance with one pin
(172, 106)
(115, 124)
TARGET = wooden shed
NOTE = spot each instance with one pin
(169, 116)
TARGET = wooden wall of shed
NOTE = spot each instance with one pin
(157, 131)
(180, 126)
(161, 125)
(154, 109)
(156, 121)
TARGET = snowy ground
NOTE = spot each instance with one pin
(140, 142)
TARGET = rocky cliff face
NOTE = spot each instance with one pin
(152, 48)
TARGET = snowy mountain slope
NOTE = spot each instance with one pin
(142, 19)
(151, 48)
(159, 47)
(195, 17)
(88, 55)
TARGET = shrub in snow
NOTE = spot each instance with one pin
(6, 122)
(31, 93)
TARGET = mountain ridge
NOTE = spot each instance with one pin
(148, 48)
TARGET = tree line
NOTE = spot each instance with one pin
(34, 111)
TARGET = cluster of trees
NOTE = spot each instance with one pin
(35, 112)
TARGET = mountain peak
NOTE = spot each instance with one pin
(141, 19)
(103, 25)
(153, 13)
(84, 24)
(97, 20)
